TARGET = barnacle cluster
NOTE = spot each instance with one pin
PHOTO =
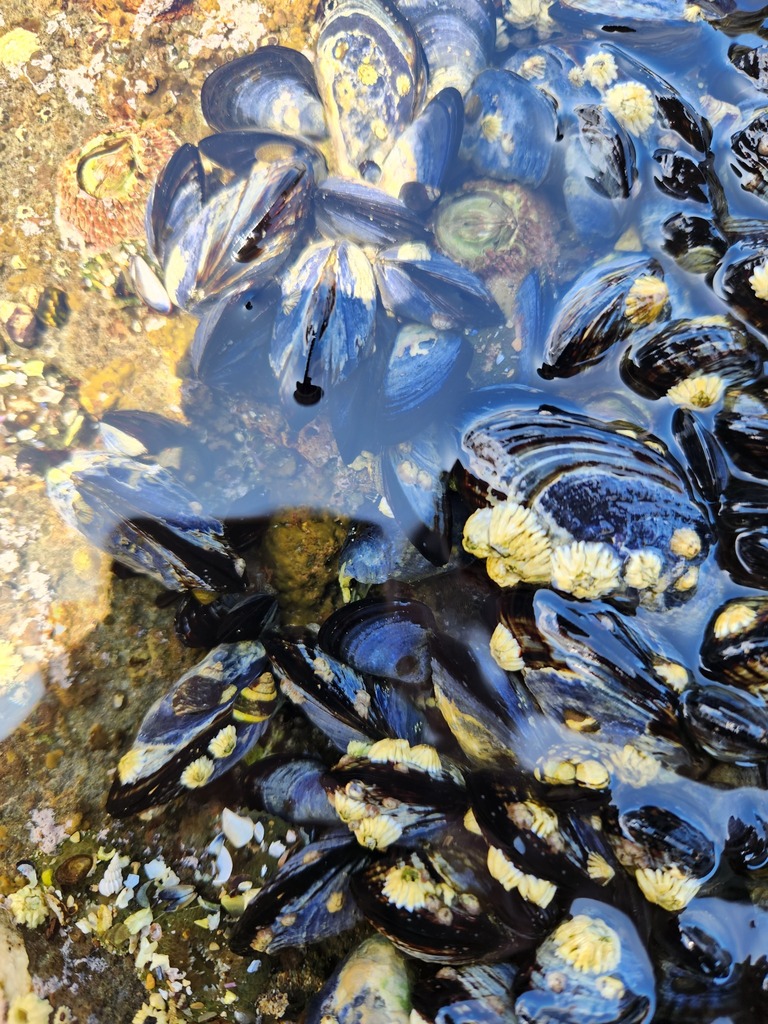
(521, 778)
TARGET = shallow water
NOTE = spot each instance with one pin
(262, 464)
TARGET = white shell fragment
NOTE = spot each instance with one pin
(237, 829)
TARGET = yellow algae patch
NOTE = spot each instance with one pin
(17, 46)
(106, 387)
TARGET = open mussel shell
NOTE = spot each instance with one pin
(326, 318)
(684, 349)
(609, 151)
(273, 88)
(727, 723)
(138, 513)
(372, 982)
(365, 214)
(342, 703)
(205, 724)
(510, 128)
(385, 638)
(604, 307)
(742, 426)
(425, 153)
(227, 620)
(308, 900)
(371, 74)
(592, 967)
(291, 787)
(418, 283)
(220, 239)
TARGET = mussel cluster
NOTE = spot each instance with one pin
(541, 766)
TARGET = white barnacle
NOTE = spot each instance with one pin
(394, 751)
(673, 674)
(537, 890)
(408, 887)
(140, 761)
(669, 888)
(475, 539)
(470, 823)
(598, 869)
(733, 619)
(697, 392)
(517, 535)
(505, 649)
(533, 67)
(645, 300)
(610, 987)
(322, 669)
(599, 69)
(634, 767)
(533, 816)
(376, 833)
(29, 1008)
(633, 106)
(348, 804)
(556, 771)
(589, 944)
(688, 580)
(223, 743)
(586, 569)
(425, 757)
(758, 281)
(502, 869)
(685, 543)
(592, 774)
(197, 773)
(642, 570)
(28, 906)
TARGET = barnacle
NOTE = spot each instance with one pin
(377, 832)
(670, 888)
(586, 569)
(685, 542)
(408, 886)
(697, 392)
(588, 944)
(633, 106)
(505, 649)
(643, 569)
(197, 773)
(758, 281)
(28, 906)
(535, 890)
(733, 620)
(646, 299)
(224, 742)
(599, 69)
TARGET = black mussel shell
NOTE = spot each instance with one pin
(746, 843)
(669, 839)
(381, 637)
(742, 426)
(609, 150)
(604, 306)
(681, 177)
(748, 147)
(226, 620)
(365, 215)
(735, 647)
(481, 993)
(752, 61)
(290, 787)
(415, 485)
(308, 900)
(273, 87)
(693, 242)
(690, 348)
(705, 461)
(727, 723)
(735, 279)
(138, 432)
